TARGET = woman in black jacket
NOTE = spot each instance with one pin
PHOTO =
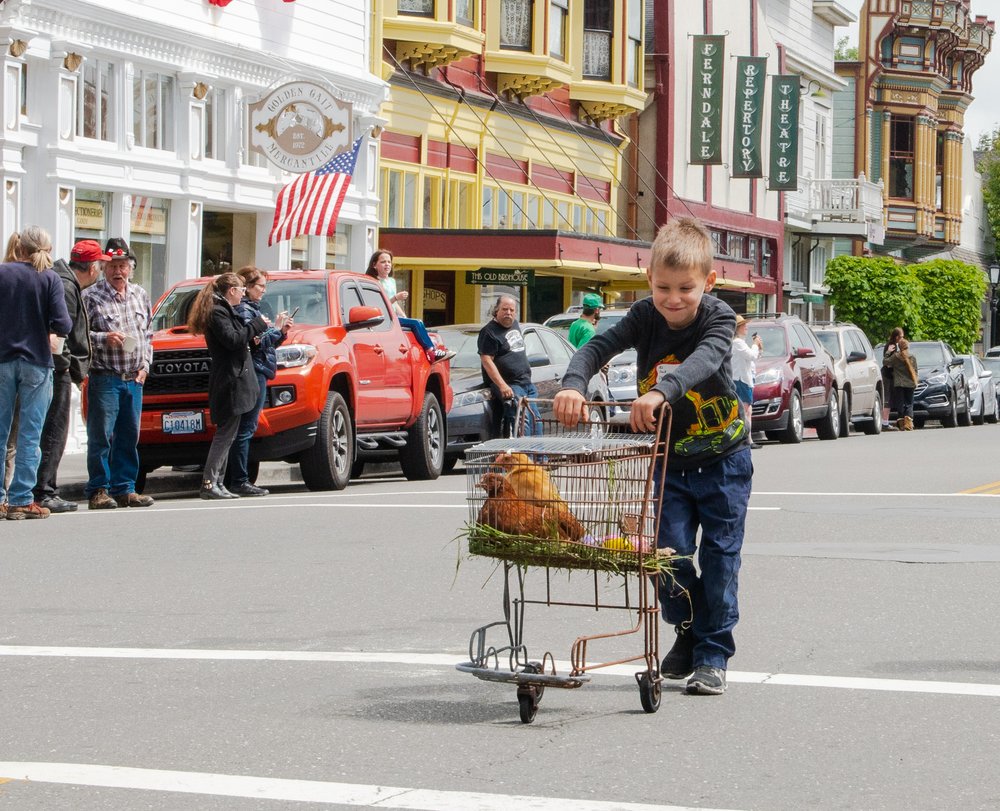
(232, 381)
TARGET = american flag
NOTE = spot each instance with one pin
(310, 203)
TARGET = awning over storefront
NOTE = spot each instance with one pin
(554, 253)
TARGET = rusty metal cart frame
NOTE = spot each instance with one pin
(508, 660)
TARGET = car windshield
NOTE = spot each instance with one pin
(282, 294)
(993, 364)
(970, 367)
(562, 323)
(465, 345)
(830, 342)
(773, 339)
(928, 355)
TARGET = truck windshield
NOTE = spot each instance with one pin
(282, 294)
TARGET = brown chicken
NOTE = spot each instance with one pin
(530, 480)
(506, 511)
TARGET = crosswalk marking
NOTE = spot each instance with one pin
(449, 661)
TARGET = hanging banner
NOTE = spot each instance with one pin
(706, 99)
(751, 73)
(784, 174)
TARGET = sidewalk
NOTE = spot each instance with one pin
(73, 478)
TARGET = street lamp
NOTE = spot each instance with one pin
(994, 281)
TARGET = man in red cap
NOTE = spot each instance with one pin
(71, 367)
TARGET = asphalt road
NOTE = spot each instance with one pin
(301, 648)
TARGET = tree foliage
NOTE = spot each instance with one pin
(953, 294)
(989, 168)
(940, 300)
(876, 294)
(845, 52)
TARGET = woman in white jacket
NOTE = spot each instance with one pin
(743, 358)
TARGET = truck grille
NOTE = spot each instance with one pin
(178, 371)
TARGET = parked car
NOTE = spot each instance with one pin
(982, 390)
(993, 364)
(621, 368)
(470, 420)
(993, 352)
(858, 375)
(795, 384)
(942, 392)
(351, 384)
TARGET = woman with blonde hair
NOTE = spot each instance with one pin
(232, 381)
(32, 307)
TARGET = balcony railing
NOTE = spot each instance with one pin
(597, 55)
(837, 203)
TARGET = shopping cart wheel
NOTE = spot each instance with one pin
(527, 704)
(649, 693)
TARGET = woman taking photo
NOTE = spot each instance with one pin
(232, 382)
(903, 366)
(265, 364)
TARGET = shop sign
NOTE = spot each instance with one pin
(435, 299)
(784, 174)
(510, 278)
(706, 99)
(299, 126)
(89, 215)
(751, 72)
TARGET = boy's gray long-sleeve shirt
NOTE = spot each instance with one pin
(689, 366)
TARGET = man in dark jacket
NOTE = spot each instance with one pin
(71, 368)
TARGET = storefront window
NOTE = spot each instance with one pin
(338, 250)
(149, 243)
(300, 252)
(91, 216)
(488, 294)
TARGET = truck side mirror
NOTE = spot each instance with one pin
(362, 317)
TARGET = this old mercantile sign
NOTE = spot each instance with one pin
(300, 126)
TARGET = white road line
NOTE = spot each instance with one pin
(448, 660)
(309, 791)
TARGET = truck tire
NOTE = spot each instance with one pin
(327, 464)
(423, 455)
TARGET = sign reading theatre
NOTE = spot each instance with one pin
(784, 174)
(300, 126)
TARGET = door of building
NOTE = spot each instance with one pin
(439, 298)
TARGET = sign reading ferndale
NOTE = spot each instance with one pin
(706, 99)
(751, 73)
(784, 170)
(300, 126)
(510, 277)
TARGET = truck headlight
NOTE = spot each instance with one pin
(295, 355)
(471, 398)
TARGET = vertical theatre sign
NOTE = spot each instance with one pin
(751, 72)
(784, 174)
(706, 99)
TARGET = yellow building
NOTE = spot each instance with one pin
(502, 158)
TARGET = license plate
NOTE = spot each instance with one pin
(183, 422)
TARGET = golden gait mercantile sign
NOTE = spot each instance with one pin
(300, 126)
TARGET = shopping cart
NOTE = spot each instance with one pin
(586, 499)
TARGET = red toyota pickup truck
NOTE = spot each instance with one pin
(352, 384)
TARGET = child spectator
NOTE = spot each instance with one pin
(683, 341)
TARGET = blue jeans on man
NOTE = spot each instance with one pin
(715, 498)
(114, 407)
(32, 386)
(505, 412)
(239, 452)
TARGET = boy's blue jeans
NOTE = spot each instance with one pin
(715, 498)
(32, 386)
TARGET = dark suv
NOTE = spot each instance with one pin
(795, 384)
(942, 392)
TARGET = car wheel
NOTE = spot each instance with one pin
(845, 414)
(595, 414)
(829, 426)
(992, 418)
(951, 420)
(874, 425)
(422, 457)
(980, 418)
(793, 433)
(965, 417)
(918, 423)
(327, 464)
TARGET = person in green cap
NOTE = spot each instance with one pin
(583, 329)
